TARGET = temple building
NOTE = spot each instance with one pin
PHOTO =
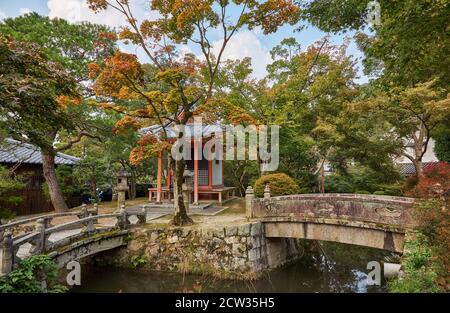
(207, 170)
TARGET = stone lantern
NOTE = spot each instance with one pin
(188, 187)
(122, 186)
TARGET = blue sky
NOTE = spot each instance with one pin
(247, 43)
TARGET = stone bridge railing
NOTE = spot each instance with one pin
(19, 227)
(380, 210)
(38, 238)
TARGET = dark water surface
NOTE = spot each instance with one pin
(331, 268)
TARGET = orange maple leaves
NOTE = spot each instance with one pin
(117, 77)
(148, 146)
(65, 102)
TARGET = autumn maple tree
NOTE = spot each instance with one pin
(172, 88)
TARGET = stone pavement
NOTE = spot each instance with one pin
(155, 211)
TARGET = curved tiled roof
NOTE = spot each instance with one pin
(190, 129)
(408, 169)
(13, 151)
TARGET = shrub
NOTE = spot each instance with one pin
(138, 260)
(379, 193)
(434, 183)
(409, 184)
(280, 184)
(338, 184)
(392, 189)
(362, 192)
(420, 275)
(418, 281)
(30, 275)
(433, 221)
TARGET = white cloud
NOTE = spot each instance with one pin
(243, 44)
(246, 44)
(78, 11)
(2, 15)
(24, 11)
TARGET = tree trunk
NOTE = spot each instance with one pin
(322, 178)
(132, 183)
(418, 167)
(181, 218)
(94, 191)
(56, 196)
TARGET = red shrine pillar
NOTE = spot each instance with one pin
(169, 175)
(159, 178)
(197, 145)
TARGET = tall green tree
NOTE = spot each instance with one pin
(309, 88)
(40, 113)
(31, 88)
(404, 55)
(73, 46)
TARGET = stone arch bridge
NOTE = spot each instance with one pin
(88, 235)
(366, 220)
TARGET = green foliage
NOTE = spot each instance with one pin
(31, 276)
(103, 156)
(8, 185)
(420, 275)
(409, 94)
(73, 46)
(43, 64)
(336, 183)
(240, 173)
(434, 222)
(94, 172)
(29, 87)
(441, 137)
(334, 15)
(405, 49)
(138, 260)
(280, 184)
(418, 281)
(364, 180)
(418, 253)
(65, 176)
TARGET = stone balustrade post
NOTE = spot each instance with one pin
(123, 218)
(88, 226)
(48, 222)
(142, 215)
(39, 244)
(267, 192)
(95, 212)
(6, 254)
(83, 212)
(249, 196)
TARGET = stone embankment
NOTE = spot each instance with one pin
(238, 251)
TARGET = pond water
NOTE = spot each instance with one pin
(328, 267)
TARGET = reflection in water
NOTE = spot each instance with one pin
(332, 268)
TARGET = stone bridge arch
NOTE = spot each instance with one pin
(367, 220)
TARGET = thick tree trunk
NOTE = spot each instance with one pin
(418, 167)
(181, 218)
(322, 178)
(56, 196)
